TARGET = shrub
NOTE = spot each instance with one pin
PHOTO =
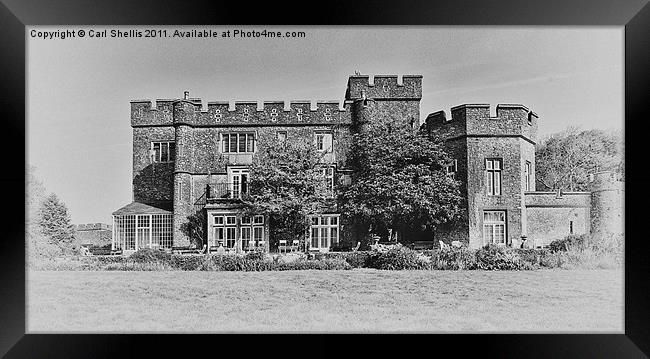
(454, 259)
(257, 255)
(360, 259)
(323, 264)
(147, 255)
(587, 252)
(398, 257)
(341, 247)
(493, 257)
(187, 263)
(563, 244)
(530, 255)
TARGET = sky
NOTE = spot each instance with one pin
(78, 130)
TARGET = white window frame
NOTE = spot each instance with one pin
(243, 229)
(138, 227)
(493, 173)
(158, 157)
(492, 226)
(258, 219)
(248, 138)
(329, 177)
(452, 168)
(320, 137)
(528, 166)
(261, 231)
(324, 225)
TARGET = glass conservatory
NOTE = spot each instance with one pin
(138, 225)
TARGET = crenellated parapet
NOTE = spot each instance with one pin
(476, 120)
(384, 87)
(240, 113)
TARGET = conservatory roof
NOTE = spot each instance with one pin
(139, 208)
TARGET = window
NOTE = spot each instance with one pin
(132, 232)
(238, 142)
(231, 238)
(494, 227)
(163, 151)
(452, 169)
(238, 182)
(324, 232)
(258, 220)
(328, 175)
(570, 227)
(218, 231)
(282, 136)
(231, 220)
(493, 174)
(528, 175)
(245, 237)
(246, 220)
(258, 234)
(323, 142)
(143, 231)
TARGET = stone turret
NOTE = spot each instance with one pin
(607, 193)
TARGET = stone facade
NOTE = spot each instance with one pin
(471, 135)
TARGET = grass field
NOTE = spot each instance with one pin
(360, 300)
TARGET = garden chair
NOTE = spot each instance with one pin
(356, 248)
(443, 245)
(294, 246)
(282, 245)
(260, 245)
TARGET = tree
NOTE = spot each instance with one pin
(287, 184)
(195, 227)
(400, 183)
(55, 224)
(565, 160)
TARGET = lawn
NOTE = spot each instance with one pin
(360, 300)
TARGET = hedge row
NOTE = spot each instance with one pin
(490, 257)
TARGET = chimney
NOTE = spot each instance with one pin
(186, 95)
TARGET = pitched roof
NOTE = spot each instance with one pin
(140, 208)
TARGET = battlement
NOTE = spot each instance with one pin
(93, 227)
(192, 112)
(384, 87)
(475, 119)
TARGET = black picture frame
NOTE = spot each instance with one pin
(16, 14)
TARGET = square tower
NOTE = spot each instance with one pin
(494, 159)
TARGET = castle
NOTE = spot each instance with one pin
(188, 158)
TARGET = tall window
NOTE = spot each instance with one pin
(163, 151)
(245, 237)
(238, 142)
(494, 227)
(528, 175)
(493, 173)
(452, 168)
(143, 229)
(258, 229)
(219, 232)
(282, 136)
(328, 176)
(324, 232)
(323, 142)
